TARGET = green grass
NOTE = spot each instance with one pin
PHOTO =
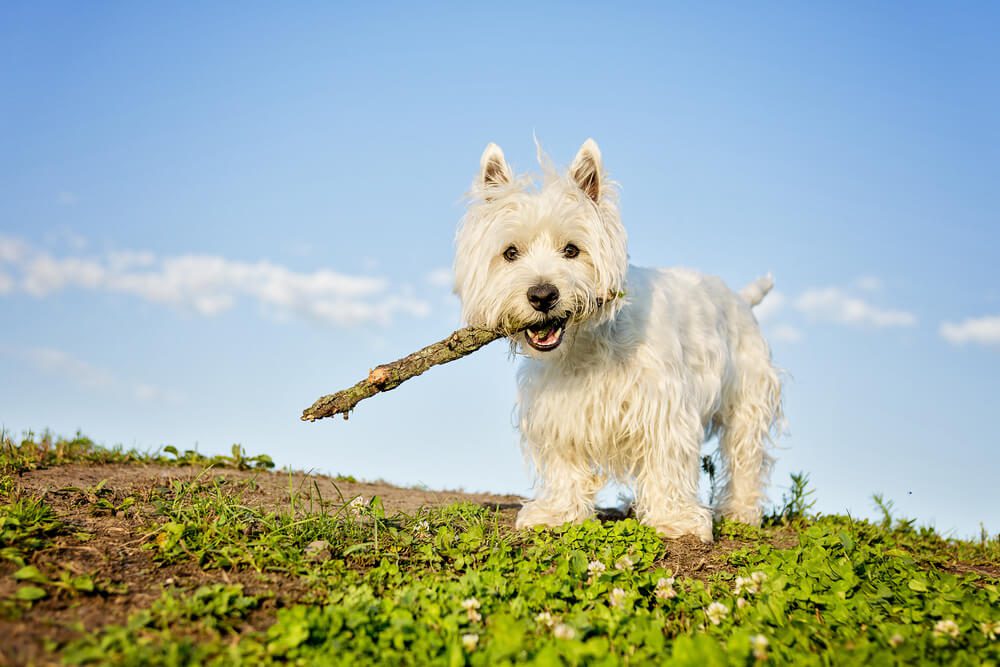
(342, 582)
(32, 452)
(26, 525)
(469, 591)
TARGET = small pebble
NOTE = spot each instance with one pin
(318, 551)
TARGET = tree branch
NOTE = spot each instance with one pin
(391, 375)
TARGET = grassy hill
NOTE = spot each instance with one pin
(115, 557)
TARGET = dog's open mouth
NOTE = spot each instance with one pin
(545, 336)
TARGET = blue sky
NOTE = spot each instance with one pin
(209, 216)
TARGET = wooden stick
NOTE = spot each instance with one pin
(389, 376)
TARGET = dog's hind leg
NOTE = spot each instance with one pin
(751, 408)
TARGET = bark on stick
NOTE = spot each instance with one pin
(391, 375)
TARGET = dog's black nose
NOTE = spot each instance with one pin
(543, 297)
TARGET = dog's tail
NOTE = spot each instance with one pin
(755, 292)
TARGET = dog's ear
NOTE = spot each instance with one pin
(587, 171)
(493, 168)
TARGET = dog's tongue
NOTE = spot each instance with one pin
(545, 336)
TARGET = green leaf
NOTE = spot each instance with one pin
(84, 583)
(355, 548)
(30, 573)
(30, 593)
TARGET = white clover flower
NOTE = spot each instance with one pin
(624, 563)
(750, 585)
(741, 603)
(470, 641)
(665, 588)
(758, 644)
(423, 527)
(991, 629)
(544, 618)
(716, 612)
(470, 605)
(617, 597)
(596, 568)
(357, 505)
(563, 631)
(895, 640)
(946, 627)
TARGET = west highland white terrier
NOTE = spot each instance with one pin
(628, 370)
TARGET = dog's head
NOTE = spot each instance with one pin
(540, 257)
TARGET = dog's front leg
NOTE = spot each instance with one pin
(667, 482)
(566, 489)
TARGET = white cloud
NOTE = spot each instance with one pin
(982, 330)
(43, 274)
(439, 277)
(787, 333)
(12, 250)
(210, 284)
(121, 260)
(770, 306)
(869, 283)
(6, 283)
(149, 393)
(57, 362)
(834, 305)
(65, 237)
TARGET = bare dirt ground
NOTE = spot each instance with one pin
(115, 556)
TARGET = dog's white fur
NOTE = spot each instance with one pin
(652, 361)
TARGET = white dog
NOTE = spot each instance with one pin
(628, 370)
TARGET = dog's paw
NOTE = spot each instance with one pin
(743, 513)
(697, 522)
(536, 514)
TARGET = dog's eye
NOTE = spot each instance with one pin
(510, 254)
(570, 251)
